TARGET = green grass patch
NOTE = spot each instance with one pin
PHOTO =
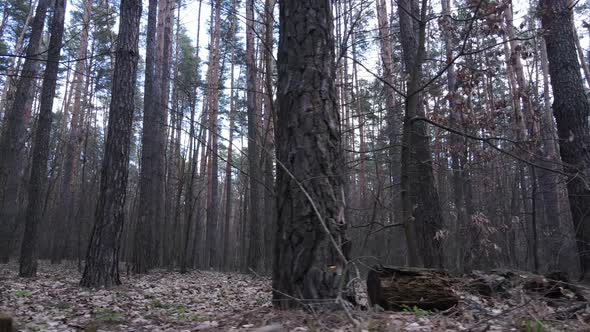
(22, 293)
(107, 316)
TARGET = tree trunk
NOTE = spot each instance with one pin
(391, 111)
(422, 213)
(254, 225)
(102, 259)
(269, 125)
(309, 255)
(571, 109)
(38, 179)
(65, 206)
(226, 261)
(13, 135)
(190, 200)
(213, 100)
(151, 156)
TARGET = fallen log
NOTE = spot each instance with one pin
(399, 288)
(6, 323)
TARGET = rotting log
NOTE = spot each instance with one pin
(5, 323)
(399, 288)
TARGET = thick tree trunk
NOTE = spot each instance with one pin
(422, 213)
(309, 255)
(102, 259)
(13, 135)
(548, 180)
(38, 179)
(571, 109)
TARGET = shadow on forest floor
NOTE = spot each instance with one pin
(215, 301)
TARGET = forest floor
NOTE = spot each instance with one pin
(215, 301)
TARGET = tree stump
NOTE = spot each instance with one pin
(399, 288)
(5, 323)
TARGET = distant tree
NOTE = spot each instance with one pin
(308, 261)
(102, 259)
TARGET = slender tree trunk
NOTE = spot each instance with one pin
(67, 187)
(228, 167)
(392, 116)
(149, 189)
(194, 149)
(11, 73)
(254, 225)
(38, 179)
(102, 259)
(269, 125)
(213, 100)
(12, 138)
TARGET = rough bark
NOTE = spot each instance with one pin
(548, 180)
(571, 110)
(13, 135)
(309, 262)
(38, 178)
(421, 208)
(149, 184)
(102, 259)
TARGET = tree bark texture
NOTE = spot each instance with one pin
(571, 110)
(308, 260)
(102, 259)
(151, 156)
(38, 178)
(421, 208)
(13, 134)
